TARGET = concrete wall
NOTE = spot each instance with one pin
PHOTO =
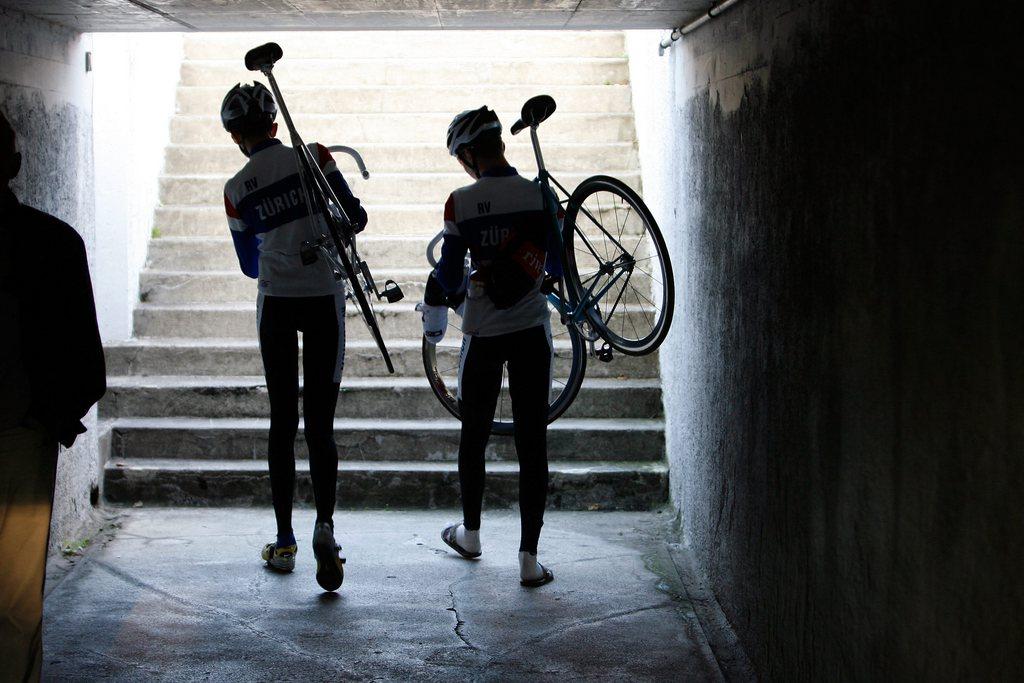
(47, 95)
(662, 140)
(135, 76)
(844, 380)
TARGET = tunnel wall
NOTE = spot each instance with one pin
(47, 95)
(843, 384)
(136, 75)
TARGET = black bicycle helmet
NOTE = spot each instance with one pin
(470, 125)
(247, 106)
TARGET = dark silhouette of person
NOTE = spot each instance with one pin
(51, 373)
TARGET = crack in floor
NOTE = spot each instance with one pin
(589, 621)
(459, 623)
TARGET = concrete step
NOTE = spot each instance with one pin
(369, 44)
(361, 397)
(217, 253)
(387, 438)
(572, 485)
(212, 357)
(177, 220)
(396, 321)
(423, 220)
(447, 99)
(357, 129)
(201, 254)
(416, 71)
(230, 286)
(380, 188)
(421, 157)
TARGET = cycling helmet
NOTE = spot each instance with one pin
(470, 125)
(247, 106)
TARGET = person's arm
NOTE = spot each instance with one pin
(554, 211)
(85, 369)
(450, 271)
(246, 245)
(349, 202)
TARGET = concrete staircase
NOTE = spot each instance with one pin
(187, 410)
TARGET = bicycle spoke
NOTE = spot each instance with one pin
(617, 223)
(650, 275)
(600, 226)
(624, 222)
(587, 243)
(631, 324)
(617, 299)
(636, 293)
(597, 196)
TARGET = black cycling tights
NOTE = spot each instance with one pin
(528, 354)
(321, 320)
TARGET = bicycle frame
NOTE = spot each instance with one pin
(325, 209)
(577, 313)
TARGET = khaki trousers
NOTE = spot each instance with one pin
(28, 466)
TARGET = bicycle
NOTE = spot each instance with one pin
(338, 245)
(594, 262)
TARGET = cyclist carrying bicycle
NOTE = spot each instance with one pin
(269, 221)
(505, 222)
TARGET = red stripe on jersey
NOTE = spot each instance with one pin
(323, 154)
(449, 209)
(230, 208)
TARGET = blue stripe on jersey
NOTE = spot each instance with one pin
(450, 269)
(247, 248)
(272, 206)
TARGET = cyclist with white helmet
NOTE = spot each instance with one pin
(269, 221)
(505, 222)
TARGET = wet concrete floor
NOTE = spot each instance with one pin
(180, 594)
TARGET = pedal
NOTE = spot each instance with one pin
(308, 254)
(604, 354)
(392, 292)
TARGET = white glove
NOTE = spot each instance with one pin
(435, 321)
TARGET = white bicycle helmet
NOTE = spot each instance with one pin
(247, 105)
(469, 125)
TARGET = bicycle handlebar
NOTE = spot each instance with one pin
(431, 246)
(355, 155)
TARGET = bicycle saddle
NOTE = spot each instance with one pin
(264, 55)
(536, 110)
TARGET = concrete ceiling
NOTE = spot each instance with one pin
(261, 15)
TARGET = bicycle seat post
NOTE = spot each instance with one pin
(542, 172)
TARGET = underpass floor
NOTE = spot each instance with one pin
(181, 594)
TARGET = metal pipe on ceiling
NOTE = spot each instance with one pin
(677, 33)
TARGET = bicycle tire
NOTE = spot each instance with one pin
(642, 344)
(445, 391)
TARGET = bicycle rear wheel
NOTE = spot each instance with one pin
(610, 236)
(441, 364)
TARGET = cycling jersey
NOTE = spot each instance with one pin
(269, 220)
(484, 218)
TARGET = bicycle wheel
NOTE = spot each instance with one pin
(610, 237)
(441, 364)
